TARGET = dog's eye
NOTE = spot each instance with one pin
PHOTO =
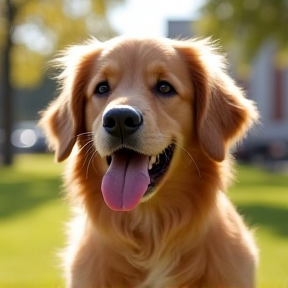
(102, 89)
(164, 88)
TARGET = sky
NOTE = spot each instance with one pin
(150, 17)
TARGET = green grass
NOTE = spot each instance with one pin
(31, 223)
(32, 216)
(262, 198)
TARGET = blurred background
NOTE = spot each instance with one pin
(253, 34)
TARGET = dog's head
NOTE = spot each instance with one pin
(143, 99)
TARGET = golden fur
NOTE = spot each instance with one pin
(187, 234)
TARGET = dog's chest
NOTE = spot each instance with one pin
(154, 256)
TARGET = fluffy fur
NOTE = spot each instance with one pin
(187, 234)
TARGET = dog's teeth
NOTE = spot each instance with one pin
(150, 165)
(158, 159)
(152, 162)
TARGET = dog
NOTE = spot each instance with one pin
(147, 126)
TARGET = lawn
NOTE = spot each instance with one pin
(33, 212)
(262, 198)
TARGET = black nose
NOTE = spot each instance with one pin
(122, 121)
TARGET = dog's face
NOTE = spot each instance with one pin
(139, 104)
(142, 100)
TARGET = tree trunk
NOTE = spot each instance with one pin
(7, 108)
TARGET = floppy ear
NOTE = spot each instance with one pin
(63, 120)
(58, 124)
(222, 113)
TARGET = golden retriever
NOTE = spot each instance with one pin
(147, 125)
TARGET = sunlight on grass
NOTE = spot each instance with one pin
(33, 212)
(30, 242)
(262, 198)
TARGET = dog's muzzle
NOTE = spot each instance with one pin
(131, 176)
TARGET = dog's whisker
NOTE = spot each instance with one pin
(91, 158)
(85, 137)
(191, 158)
(86, 134)
(87, 154)
(90, 148)
(86, 159)
(86, 144)
(89, 151)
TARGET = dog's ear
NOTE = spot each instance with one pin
(57, 123)
(63, 120)
(222, 113)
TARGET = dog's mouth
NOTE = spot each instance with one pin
(132, 176)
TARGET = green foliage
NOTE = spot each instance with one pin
(40, 28)
(33, 213)
(245, 25)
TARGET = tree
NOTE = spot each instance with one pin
(31, 31)
(245, 25)
(7, 88)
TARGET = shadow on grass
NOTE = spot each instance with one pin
(23, 196)
(273, 218)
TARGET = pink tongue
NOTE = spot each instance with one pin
(126, 180)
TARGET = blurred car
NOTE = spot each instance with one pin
(26, 138)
